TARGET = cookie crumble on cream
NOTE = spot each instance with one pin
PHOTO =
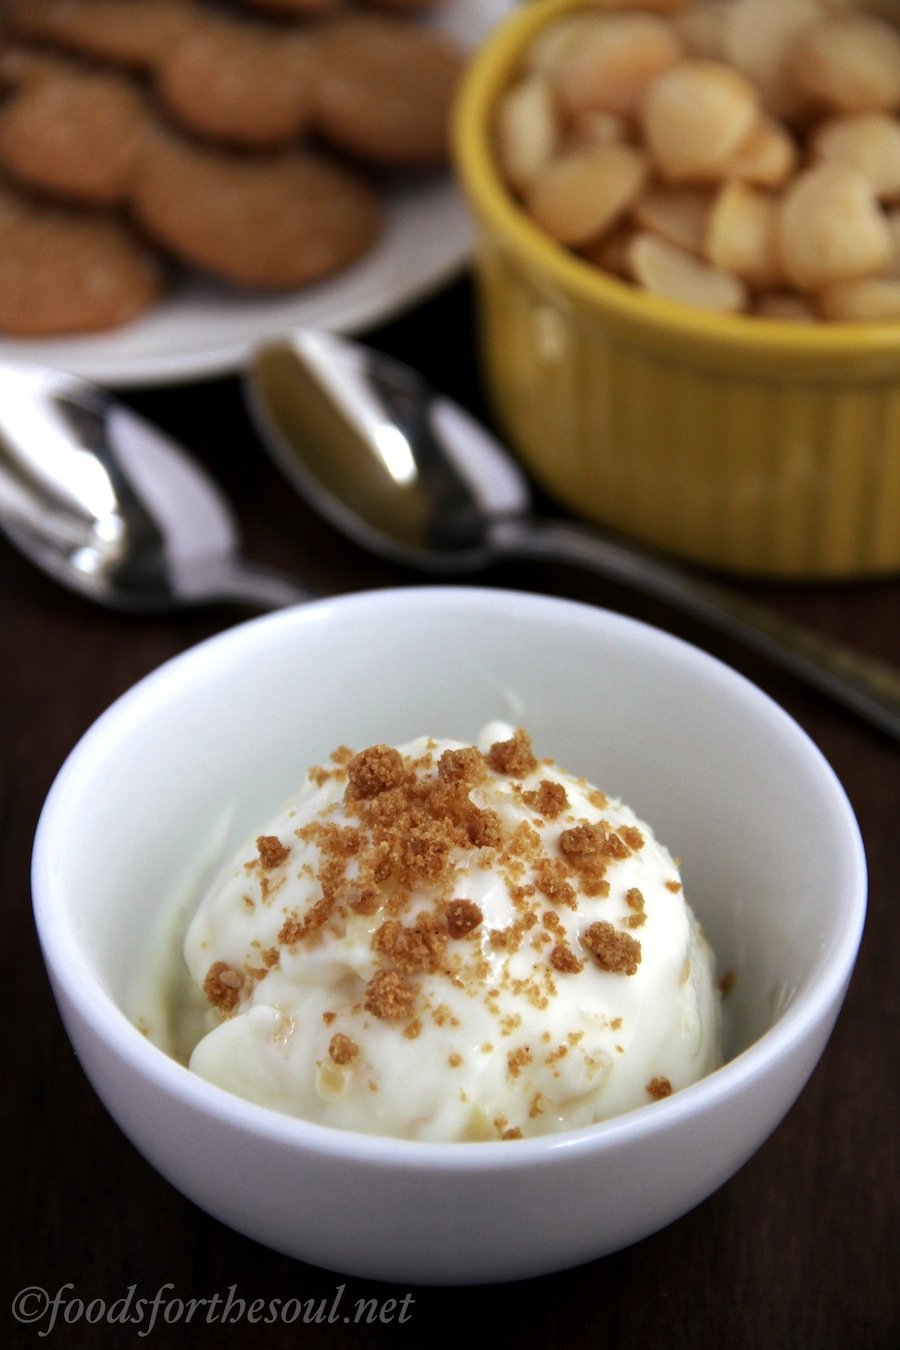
(468, 942)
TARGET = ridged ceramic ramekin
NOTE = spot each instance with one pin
(753, 445)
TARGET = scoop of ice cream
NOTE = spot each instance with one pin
(452, 942)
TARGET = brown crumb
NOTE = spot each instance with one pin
(272, 852)
(514, 757)
(563, 959)
(634, 899)
(517, 1059)
(462, 766)
(295, 929)
(373, 771)
(222, 986)
(616, 846)
(726, 982)
(632, 836)
(549, 799)
(484, 828)
(368, 901)
(583, 841)
(551, 878)
(512, 1133)
(341, 1049)
(673, 886)
(538, 1104)
(587, 849)
(658, 1088)
(616, 952)
(413, 948)
(525, 842)
(389, 996)
(462, 917)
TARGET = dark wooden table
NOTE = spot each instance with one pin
(798, 1250)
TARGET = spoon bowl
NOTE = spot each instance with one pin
(106, 504)
(405, 472)
(393, 464)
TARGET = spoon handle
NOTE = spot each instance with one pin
(240, 583)
(867, 686)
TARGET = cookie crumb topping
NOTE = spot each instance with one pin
(415, 826)
(514, 757)
(272, 852)
(389, 996)
(341, 1049)
(222, 987)
(614, 951)
(462, 917)
(427, 891)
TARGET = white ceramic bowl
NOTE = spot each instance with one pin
(771, 858)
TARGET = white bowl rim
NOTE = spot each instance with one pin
(118, 1034)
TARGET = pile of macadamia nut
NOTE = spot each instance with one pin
(738, 155)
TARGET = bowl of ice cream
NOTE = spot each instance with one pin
(431, 896)
(688, 271)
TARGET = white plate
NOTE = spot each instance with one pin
(202, 329)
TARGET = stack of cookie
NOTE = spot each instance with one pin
(244, 140)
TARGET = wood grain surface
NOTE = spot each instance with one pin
(799, 1250)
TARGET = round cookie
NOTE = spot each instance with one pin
(263, 221)
(385, 88)
(23, 65)
(405, 6)
(242, 84)
(67, 271)
(298, 9)
(130, 33)
(73, 135)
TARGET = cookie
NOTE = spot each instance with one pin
(373, 85)
(270, 221)
(302, 9)
(239, 83)
(261, 221)
(133, 34)
(385, 88)
(191, 125)
(65, 271)
(72, 135)
(294, 9)
(405, 6)
(22, 65)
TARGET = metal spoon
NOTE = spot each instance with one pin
(106, 504)
(408, 474)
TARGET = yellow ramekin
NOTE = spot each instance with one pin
(757, 446)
